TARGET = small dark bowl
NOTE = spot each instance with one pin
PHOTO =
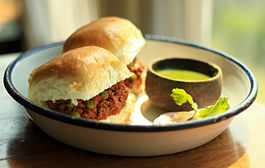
(204, 92)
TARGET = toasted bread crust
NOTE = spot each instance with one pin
(118, 35)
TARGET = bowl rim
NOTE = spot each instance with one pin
(125, 127)
(161, 59)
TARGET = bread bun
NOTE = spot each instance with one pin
(81, 73)
(118, 35)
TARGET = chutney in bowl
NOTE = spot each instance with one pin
(202, 80)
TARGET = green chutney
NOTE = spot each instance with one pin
(182, 74)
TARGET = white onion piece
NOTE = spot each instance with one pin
(173, 117)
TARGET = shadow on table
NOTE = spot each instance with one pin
(221, 152)
(19, 136)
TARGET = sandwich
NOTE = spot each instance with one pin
(118, 35)
(86, 82)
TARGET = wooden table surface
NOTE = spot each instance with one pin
(23, 145)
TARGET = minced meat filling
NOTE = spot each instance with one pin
(107, 103)
(137, 67)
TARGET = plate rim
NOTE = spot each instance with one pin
(24, 101)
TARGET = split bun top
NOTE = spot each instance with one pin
(77, 74)
(118, 35)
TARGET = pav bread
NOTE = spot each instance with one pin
(86, 82)
(118, 35)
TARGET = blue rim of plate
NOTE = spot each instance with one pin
(124, 127)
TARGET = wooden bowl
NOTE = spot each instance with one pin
(204, 92)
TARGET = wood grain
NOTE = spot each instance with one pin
(23, 144)
(19, 136)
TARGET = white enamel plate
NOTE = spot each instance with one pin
(140, 138)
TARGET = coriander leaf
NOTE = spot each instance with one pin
(221, 106)
(180, 97)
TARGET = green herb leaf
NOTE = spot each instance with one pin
(221, 106)
(180, 97)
